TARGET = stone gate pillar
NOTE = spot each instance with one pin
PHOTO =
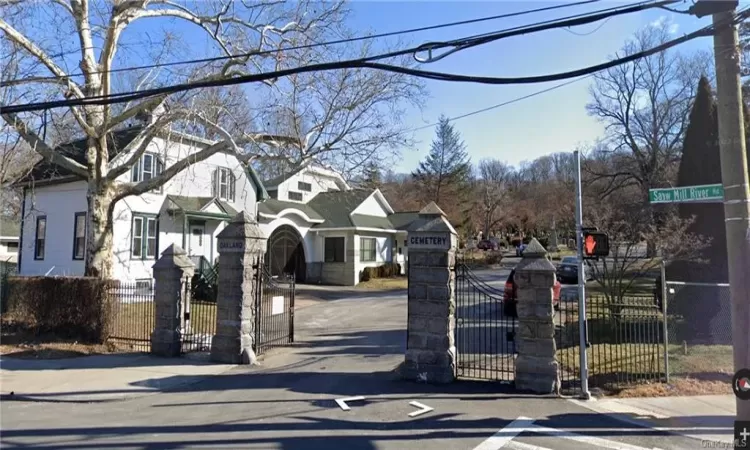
(172, 273)
(430, 348)
(241, 245)
(536, 364)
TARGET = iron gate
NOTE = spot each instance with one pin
(274, 309)
(485, 335)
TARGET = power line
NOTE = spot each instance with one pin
(367, 62)
(320, 44)
(570, 21)
(505, 103)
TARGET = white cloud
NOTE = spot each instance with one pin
(666, 23)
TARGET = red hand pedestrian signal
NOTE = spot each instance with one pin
(595, 244)
(590, 244)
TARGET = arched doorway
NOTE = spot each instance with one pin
(286, 253)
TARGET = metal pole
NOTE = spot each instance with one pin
(581, 284)
(665, 328)
(734, 176)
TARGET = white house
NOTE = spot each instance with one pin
(189, 210)
(323, 231)
(9, 231)
(318, 227)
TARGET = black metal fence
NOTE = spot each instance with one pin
(133, 315)
(624, 340)
(198, 321)
(485, 336)
(274, 309)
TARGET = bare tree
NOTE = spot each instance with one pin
(645, 106)
(56, 35)
(492, 187)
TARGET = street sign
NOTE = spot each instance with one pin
(595, 244)
(697, 194)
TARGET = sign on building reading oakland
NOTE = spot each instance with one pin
(231, 246)
(430, 241)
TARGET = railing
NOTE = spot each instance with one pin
(133, 316)
(205, 281)
(625, 342)
(485, 336)
(274, 310)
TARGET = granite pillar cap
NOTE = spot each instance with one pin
(173, 257)
(242, 226)
(535, 258)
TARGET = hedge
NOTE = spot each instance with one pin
(70, 307)
(387, 270)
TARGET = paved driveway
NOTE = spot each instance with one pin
(345, 348)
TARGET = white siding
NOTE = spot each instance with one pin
(318, 239)
(383, 249)
(371, 207)
(195, 181)
(319, 183)
(59, 204)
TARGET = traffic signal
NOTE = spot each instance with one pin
(595, 244)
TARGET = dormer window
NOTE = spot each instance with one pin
(302, 186)
(223, 184)
(148, 166)
(295, 196)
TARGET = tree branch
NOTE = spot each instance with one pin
(34, 50)
(41, 147)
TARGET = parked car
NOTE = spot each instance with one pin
(487, 245)
(567, 271)
(511, 294)
(520, 249)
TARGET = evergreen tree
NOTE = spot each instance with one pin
(701, 164)
(371, 176)
(444, 175)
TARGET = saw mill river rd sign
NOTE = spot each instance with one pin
(687, 194)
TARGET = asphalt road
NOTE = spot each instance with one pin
(346, 347)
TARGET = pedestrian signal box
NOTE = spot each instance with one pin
(595, 244)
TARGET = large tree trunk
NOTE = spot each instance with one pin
(99, 251)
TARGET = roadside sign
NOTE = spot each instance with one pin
(698, 194)
(595, 244)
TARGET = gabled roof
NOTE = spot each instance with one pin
(273, 183)
(336, 206)
(196, 206)
(76, 150)
(116, 142)
(402, 220)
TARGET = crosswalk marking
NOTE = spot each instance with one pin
(503, 439)
(593, 440)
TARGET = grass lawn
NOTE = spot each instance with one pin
(382, 284)
(702, 370)
(560, 253)
(640, 287)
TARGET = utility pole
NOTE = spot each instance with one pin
(582, 338)
(734, 176)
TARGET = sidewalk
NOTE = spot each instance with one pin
(99, 378)
(703, 417)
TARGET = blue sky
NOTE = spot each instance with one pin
(552, 122)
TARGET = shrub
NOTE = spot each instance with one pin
(545, 242)
(502, 243)
(387, 270)
(70, 307)
(365, 274)
(494, 257)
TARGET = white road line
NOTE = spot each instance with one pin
(502, 437)
(342, 401)
(515, 445)
(592, 440)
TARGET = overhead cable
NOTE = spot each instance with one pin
(368, 63)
